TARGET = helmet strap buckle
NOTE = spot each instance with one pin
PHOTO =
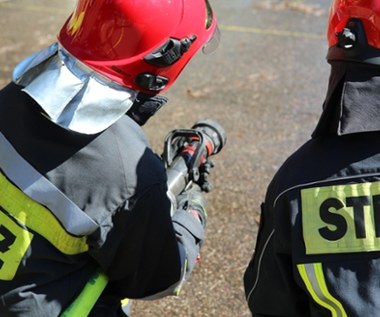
(151, 82)
(346, 38)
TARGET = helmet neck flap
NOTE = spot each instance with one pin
(70, 93)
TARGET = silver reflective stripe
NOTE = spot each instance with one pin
(313, 277)
(40, 189)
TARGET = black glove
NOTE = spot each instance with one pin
(145, 106)
(189, 223)
(204, 171)
(193, 201)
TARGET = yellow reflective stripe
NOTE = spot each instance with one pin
(14, 241)
(125, 302)
(313, 277)
(38, 218)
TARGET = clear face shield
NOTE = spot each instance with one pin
(212, 43)
(214, 40)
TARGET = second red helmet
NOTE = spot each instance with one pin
(354, 31)
(141, 44)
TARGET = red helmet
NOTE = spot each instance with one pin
(354, 31)
(141, 44)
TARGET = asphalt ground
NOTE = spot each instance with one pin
(265, 84)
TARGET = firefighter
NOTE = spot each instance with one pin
(318, 247)
(80, 187)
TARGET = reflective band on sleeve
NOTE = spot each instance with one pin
(313, 277)
(40, 189)
(38, 218)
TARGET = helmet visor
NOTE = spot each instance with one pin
(209, 15)
(212, 44)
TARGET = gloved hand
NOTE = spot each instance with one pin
(189, 223)
(204, 171)
(193, 201)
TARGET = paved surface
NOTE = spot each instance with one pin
(265, 84)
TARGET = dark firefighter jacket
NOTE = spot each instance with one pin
(318, 248)
(70, 203)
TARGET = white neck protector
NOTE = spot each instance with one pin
(72, 95)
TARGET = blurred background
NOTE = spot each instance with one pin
(265, 84)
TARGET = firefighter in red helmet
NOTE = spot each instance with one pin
(318, 246)
(80, 187)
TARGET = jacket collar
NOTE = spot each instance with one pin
(352, 103)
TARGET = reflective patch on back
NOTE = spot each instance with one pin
(341, 218)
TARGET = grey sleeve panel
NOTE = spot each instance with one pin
(187, 221)
(190, 234)
(39, 188)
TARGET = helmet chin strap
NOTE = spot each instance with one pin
(151, 82)
(145, 106)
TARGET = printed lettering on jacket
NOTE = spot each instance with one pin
(341, 218)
